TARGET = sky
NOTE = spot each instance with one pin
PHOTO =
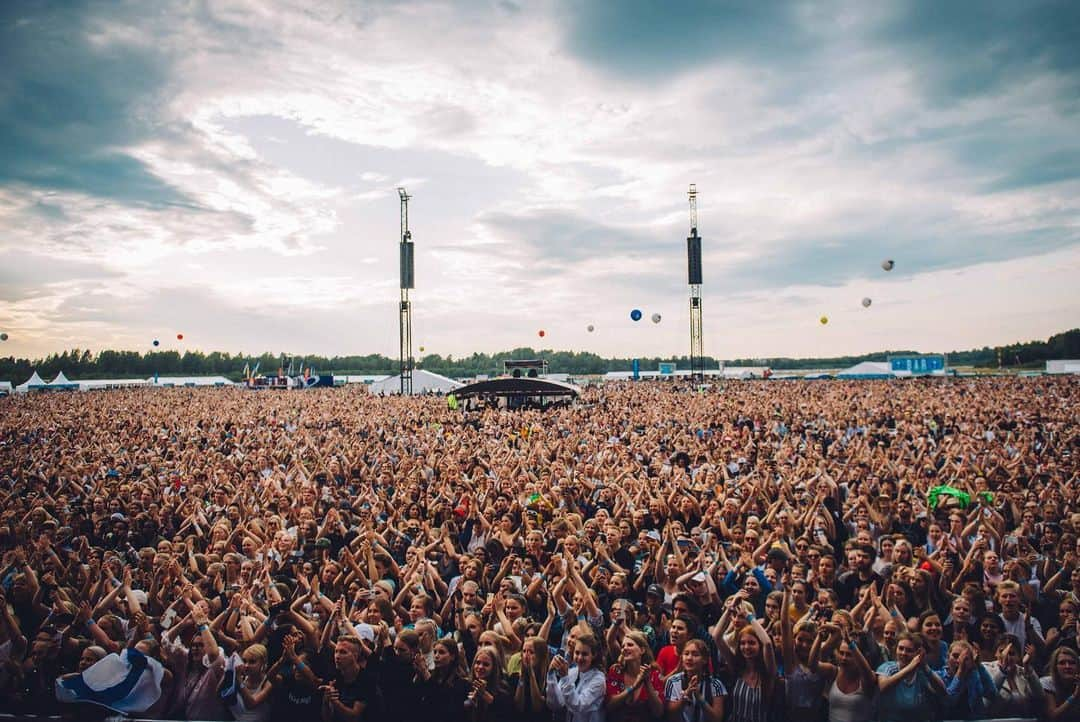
(228, 171)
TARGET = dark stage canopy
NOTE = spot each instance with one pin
(518, 387)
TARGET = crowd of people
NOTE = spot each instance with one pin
(753, 551)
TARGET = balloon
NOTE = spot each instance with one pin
(888, 264)
(590, 328)
(3, 337)
(824, 320)
(179, 337)
(635, 315)
(156, 342)
(656, 318)
(542, 334)
(866, 302)
(421, 349)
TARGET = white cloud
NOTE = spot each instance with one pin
(483, 113)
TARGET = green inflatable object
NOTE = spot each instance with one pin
(938, 491)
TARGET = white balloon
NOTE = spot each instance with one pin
(591, 328)
(866, 302)
(656, 318)
(888, 264)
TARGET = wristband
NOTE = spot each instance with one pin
(749, 618)
(851, 646)
(204, 627)
(89, 623)
(299, 666)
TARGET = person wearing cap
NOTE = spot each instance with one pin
(655, 596)
(699, 584)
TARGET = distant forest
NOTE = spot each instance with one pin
(83, 364)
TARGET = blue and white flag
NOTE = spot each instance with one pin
(228, 688)
(129, 683)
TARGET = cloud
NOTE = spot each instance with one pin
(24, 275)
(72, 103)
(960, 51)
(647, 40)
(201, 163)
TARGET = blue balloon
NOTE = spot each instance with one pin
(156, 342)
(635, 315)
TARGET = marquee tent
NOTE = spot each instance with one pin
(868, 370)
(34, 383)
(423, 382)
(61, 383)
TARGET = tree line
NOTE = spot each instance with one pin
(85, 364)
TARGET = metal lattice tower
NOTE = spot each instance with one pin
(693, 257)
(405, 356)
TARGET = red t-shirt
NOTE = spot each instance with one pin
(636, 709)
(667, 659)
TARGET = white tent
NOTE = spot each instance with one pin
(1063, 366)
(189, 381)
(34, 383)
(422, 382)
(101, 384)
(868, 370)
(61, 382)
(745, 372)
(5, 388)
(361, 378)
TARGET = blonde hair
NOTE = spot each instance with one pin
(642, 643)
(259, 651)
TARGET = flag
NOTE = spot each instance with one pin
(247, 371)
(256, 369)
(962, 497)
(228, 688)
(128, 683)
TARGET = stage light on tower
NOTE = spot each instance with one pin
(408, 281)
(693, 258)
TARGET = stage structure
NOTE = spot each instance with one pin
(693, 257)
(408, 279)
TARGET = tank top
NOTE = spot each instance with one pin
(855, 707)
(804, 694)
(747, 704)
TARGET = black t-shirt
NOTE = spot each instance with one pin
(912, 530)
(296, 700)
(362, 689)
(849, 584)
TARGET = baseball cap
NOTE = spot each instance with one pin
(365, 631)
(655, 590)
